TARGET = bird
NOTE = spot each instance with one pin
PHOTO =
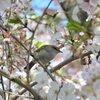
(44, 54)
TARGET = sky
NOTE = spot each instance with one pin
(38, 4)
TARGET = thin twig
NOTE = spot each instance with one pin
(14, 97)
(31, 46)
(4, 91)
(3, 87)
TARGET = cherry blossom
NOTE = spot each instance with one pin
(5, 4)
(54, 90)
(96, 88)
(1, 98)
(80, 1)
(94, 2)
(61, 1)
(92, 98)
(1, 51)
(42, 79)
(75, 12)
(44, 95)
(66, 92)
(88, 8)
(78, 81)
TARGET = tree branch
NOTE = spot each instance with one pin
(68, 61)
(12, 78)
(23, 90)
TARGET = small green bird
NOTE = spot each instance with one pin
(45, 54)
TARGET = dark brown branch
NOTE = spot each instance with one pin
(14, 97)
(12, 78)
(68, 61)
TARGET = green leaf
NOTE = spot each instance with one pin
(87, 23)
(77, 44)
(39, 44)
(15, 21)
(85, 37)
(35, 17)
(56, 20)
(96, 78)
(75, 26)
(89, 89)
(48, 17)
